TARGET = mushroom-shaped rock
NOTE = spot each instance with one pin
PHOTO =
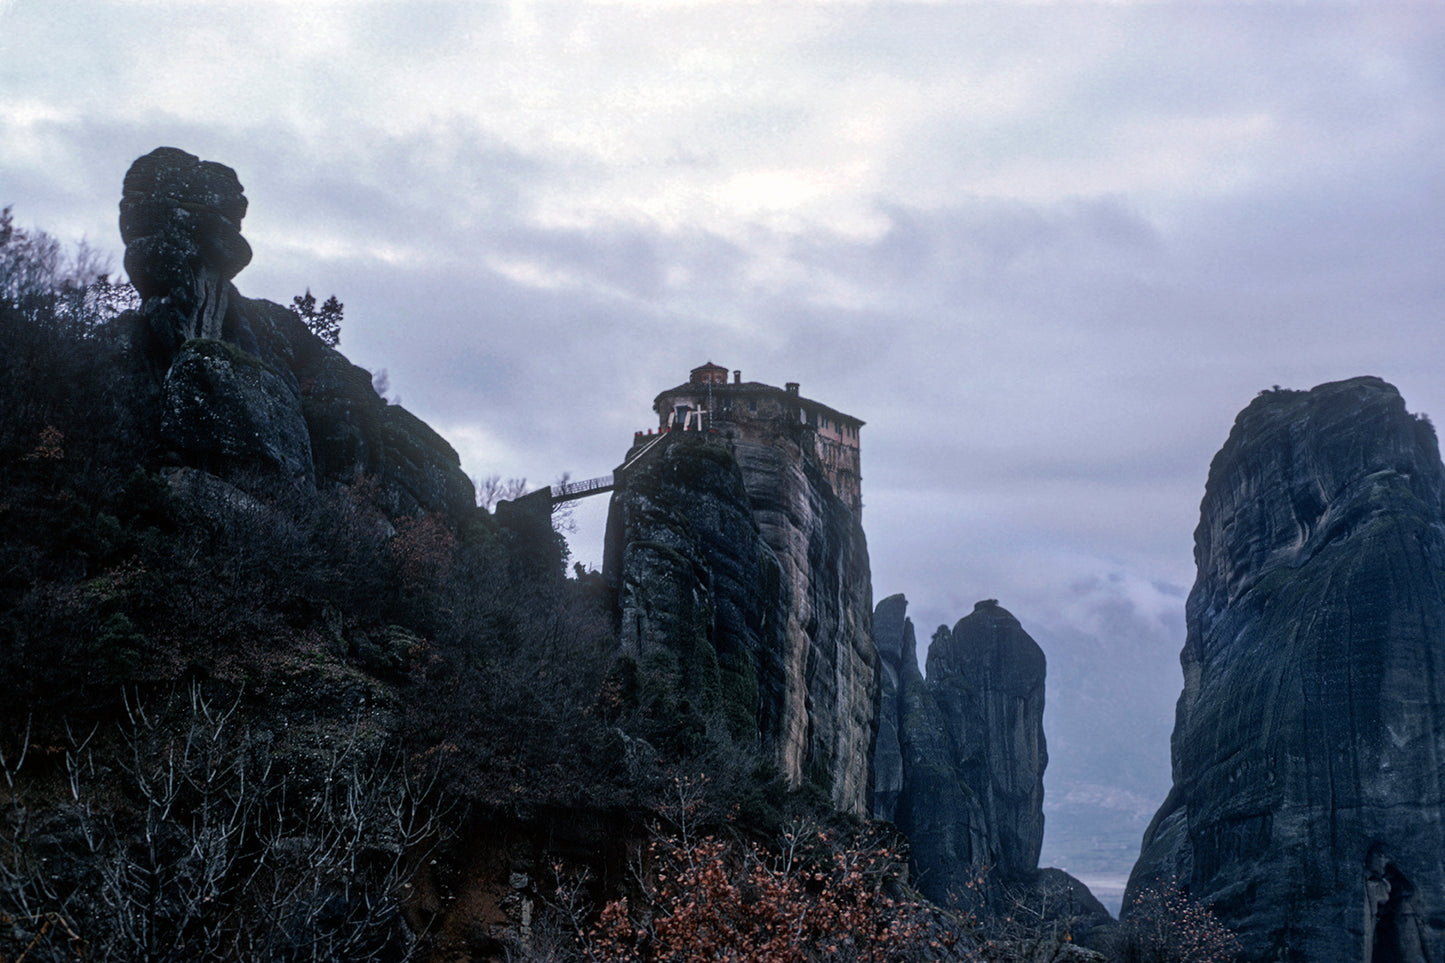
(180, 219)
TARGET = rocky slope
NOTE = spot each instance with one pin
(1307, 747)
(309, 560)
(736, 562)
(218, 548)
(241, 385)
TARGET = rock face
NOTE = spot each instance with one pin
(242, 385)
(1309, 795)
(961, 754)
(180, 219)
(988, 678)
(736, 561)
(221, 405)
(899, 681)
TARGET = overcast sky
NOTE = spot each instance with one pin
(1045, 251)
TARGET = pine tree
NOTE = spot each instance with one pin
(324, 322)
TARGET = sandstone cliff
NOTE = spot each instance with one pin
(241, 385)
(736, 562)
(1307, 748)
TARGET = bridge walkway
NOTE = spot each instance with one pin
(604, 483)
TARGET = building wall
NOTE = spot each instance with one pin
(757, 413)
(841, 464)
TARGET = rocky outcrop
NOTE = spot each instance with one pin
(180, 220)
(988, 678)
(242, 385)
(222, 406)
(1308, 785)
(919, 789)
(696, 583)
(737, 563)
(419, 470)
(959, 767)
(961, 754)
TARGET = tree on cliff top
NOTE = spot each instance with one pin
(325, 321)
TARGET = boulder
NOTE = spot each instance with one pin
(225, 407)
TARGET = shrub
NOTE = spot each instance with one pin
(1164, 924)
(182, 838)
(814, 897)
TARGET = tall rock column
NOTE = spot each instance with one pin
(898, 678)
(988, 677)
(1309, 744)
(180, 219)
(961, 755)
(828, 713)
(739, 562)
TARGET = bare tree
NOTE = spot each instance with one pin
(1035, 922)
(493, 489)
(1165, 924)
(69, 293)
(187, 844)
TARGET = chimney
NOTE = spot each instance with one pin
(737, 377)
(792, 387)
